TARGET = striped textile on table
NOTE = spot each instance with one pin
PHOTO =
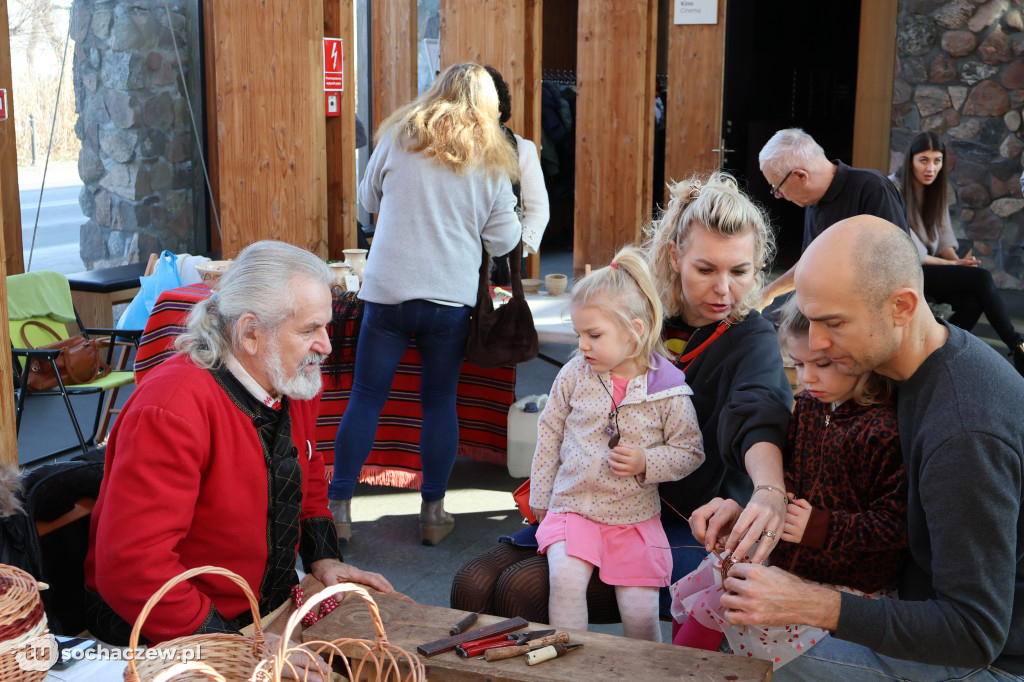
(484, 395)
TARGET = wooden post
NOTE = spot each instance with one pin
(339, 22)
(393, 23)
(696, 71)
(507, 35)
(873, 109)
(212, 157)
(8, 429)
(11, 218)
(271, 134)
(614, 123)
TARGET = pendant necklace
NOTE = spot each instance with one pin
(611, 430)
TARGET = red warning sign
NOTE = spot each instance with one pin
(334, 65)
(3, 104)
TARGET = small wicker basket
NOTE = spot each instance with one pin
(377, 660)
(233, 657)
(21, 619)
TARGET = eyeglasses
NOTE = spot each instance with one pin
(775, 188)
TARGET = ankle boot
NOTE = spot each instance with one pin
(341, 510)
(1018, 357)
(435, 522)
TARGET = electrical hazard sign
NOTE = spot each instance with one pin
(334, 65)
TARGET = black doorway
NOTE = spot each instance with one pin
(788, 64)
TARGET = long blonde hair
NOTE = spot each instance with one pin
(624, 291)
(870, 389)
(455, 121)
(711, 202)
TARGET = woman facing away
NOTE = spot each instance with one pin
(618, 422)
(708, 254)
(533, 208)
(969, 289)
(440, 181)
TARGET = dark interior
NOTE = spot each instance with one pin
(773, 82)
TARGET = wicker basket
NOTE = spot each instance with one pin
(21, 619)
(376, 660)
(233, 657)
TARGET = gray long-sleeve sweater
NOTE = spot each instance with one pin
(431, 222)
(961, 421)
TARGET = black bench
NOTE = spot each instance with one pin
(96, 292)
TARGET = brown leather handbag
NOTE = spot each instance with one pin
(504, 335)
(79, 361)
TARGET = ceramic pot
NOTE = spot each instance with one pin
(340, 270)
(556, 284)
(356, 259)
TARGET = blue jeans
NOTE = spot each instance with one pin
(837, 659)
(383, 337)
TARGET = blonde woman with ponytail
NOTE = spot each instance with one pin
(707, 256)
(440, 181)
(618, 422)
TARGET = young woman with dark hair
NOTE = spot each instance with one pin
(969, 289)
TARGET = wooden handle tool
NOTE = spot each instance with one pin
(547, 653)
(440, 646)
(513, 651)
(463, 624)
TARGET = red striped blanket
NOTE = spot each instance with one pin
(484, 395)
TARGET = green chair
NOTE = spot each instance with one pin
(45, 297)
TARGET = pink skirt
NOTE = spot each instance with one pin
(635, 554)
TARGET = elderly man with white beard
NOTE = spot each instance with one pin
(212, 461)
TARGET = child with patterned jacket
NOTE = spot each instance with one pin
(846, 523)
(618, 422)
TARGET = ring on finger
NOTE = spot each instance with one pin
(769, 533)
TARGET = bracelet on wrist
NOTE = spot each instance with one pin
(772, 488)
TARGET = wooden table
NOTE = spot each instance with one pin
(603, 657)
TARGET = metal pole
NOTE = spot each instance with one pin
(32, 135)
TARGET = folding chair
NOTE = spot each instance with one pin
(45, 297)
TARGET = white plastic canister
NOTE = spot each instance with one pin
(522, 433)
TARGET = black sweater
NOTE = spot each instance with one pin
(741, 396)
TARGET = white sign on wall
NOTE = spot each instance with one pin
(696, 11)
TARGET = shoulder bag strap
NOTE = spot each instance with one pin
(24, 337)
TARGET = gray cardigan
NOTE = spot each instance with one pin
(430, 225)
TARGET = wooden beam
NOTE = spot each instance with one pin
(533, 51)
(505, 34)
(393, 23)
(496, 33)
(8, 428)
(875, 65)
(696, 72)
(614, 113)
(339, 22)
(13, 260)
(270, 123)
(212, 157)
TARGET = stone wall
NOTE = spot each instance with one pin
(960, 73)
(136, 160)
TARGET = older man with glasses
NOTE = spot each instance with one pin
(797, 169)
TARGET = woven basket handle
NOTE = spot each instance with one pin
(254, 607)
(191, 668)
(323, 594)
